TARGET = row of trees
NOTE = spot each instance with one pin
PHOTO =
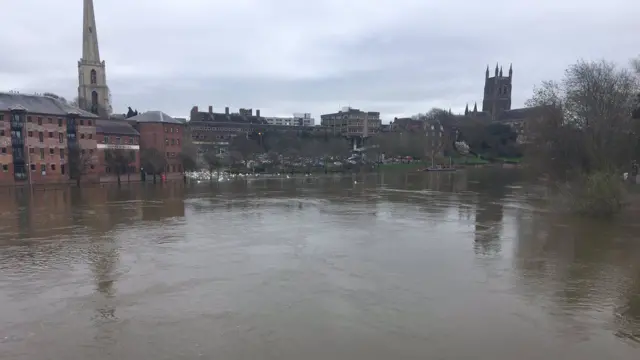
(587, 133)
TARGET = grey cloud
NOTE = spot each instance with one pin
(398, 57)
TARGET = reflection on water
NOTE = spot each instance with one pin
(444, 266)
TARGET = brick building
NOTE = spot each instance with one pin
(35, 135)
(161, 132)
(117, 135)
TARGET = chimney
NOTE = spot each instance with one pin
(210, 109)
(194, 113)
(226, 110)
(258, 112)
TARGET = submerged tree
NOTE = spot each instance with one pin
(80, 163)
(153, 162)
(119, 161)
(584, 132)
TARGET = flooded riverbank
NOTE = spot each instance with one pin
(465, 265)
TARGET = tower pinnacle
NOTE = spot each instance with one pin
(90, 50)
(93, 93)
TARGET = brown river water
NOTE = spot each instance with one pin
(468, 265)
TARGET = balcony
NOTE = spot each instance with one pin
(17, 141)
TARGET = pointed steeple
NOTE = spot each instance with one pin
(475, 108)
(90, 52)
(486, 75)
(466, 110)
(500, 71)
(496, 69)
(510, 70)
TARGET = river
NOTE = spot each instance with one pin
(468, 265)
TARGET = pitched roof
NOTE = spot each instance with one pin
(39, 104)
(517, 114)
(154, 117)
(115, 127)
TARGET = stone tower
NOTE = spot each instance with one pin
(497, 91)
(93, 93)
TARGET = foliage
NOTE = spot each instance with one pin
(153, 161)
(599, 194)
(212, 161)
(584, 122)
(585, 135)
(80, 163)
(244, 148)
(119, 161)
(189, 153)
(131, 113)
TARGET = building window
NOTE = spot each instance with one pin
(41, 154)
(28, 118)
(41, 137)
(32, 150)
(61, 137)
(176, 130)
(50, 120)
(177, 141)
(92, 166)
(107, 169)
(59, 122)
(81, 136)
(89, 122)
(43, 168)
(94, 74)
(50, 151)
(50, 135)
(166, 130)
(4, 150)
(30, 133)
(81, 122)
(33, 167)
(61, 153)
(1, 131)
(53, 167)
(173, 154)
(90, 151)
(130, 141)
(173, 142)
(5, 167)
(166, 141)
(106, 140)
(167, 154)
(118, 140)
(39, 121)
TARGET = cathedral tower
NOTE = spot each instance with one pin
(497, 92)
(93, 93)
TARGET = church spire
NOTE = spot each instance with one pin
(90, 52)
(475, 108)
(466, 110)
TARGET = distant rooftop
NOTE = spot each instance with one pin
(39, 104)
(154, 117)
(116, 127)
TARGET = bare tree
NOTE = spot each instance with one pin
(153, 162)
(189, 153)
(585, 120)
(80, 163)
(584, 132)
(119, 161)
(213, 162)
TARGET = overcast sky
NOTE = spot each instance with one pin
(399, 57)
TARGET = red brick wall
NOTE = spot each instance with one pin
(6, 157)
(166, 138)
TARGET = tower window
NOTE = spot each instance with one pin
(94, 76)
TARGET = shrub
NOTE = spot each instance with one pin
(598, 194)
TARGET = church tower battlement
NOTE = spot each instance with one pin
(497, 91)
(93, 93)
